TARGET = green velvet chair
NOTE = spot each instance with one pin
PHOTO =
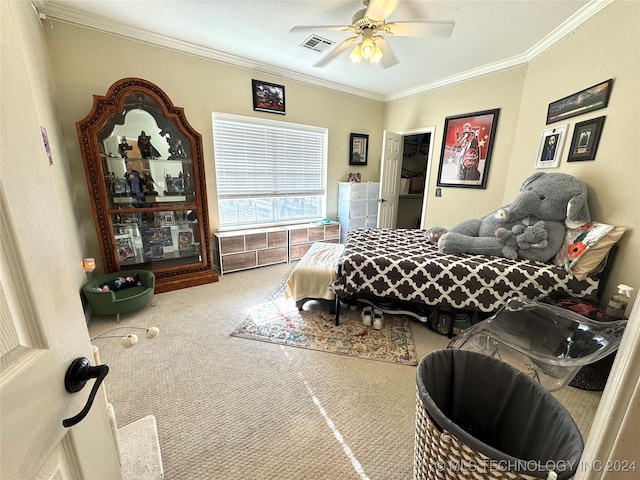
(120, 297)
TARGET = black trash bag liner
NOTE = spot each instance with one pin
(500, 412)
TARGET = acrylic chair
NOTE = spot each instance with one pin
(548, 342)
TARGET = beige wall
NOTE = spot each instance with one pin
(592, 54)
(45, 179)
(87, 63)
(501, 90)
(604, 47)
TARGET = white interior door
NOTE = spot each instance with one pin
(43, 331)
(391, 168)
(42, 325)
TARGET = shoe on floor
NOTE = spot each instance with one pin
(367, 316)
(377, 319)
(353, 305)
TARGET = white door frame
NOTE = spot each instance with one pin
(427, 176)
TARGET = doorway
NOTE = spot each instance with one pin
(415, 159)
(405, 170)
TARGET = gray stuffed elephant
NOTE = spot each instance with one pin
(533, 227)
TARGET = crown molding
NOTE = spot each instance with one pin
(564, 30)
(67, 15)
(567, 28)
(461, 77)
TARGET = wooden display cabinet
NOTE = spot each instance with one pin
(145, 173)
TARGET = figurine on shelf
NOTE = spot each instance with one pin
(135, 180)
(124, 147)
(188, 184)
(110, 182)
(170, 187)
(148, 187)
(175, 144)
(146, 149)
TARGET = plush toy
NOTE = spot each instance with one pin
(533, 227)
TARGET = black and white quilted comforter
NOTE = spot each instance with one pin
(403, 265)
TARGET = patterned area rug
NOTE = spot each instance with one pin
(277, 320)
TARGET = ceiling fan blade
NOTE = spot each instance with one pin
(417, 28)
(380, 9)
(388, 58)
(336, 52)
(319, 28)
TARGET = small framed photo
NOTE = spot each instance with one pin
(551, 145)
(168, 219)
(586, 137)
(467, 145)
(124, 247)
(185, 239)
(359, 149)
(268, 97)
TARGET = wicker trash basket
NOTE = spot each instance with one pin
(480, 418)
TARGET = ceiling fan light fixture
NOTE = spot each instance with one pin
(355, 56)
(368, 48)
(377, 54)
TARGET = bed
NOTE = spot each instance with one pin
(402, 265)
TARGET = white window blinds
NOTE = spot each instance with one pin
(266, 158)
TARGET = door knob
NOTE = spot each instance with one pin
(76, 377)
(380, 200)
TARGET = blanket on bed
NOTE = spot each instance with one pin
(403, 265)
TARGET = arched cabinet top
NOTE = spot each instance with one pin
(145, 173)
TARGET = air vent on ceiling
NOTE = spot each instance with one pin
(317, 43)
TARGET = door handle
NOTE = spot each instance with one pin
(76, 377)
(380, 200)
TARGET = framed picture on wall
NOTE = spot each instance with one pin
(585, 140)
(467, 145)
(268, 97)
(587, 100)
(359, 149)
(551, 145)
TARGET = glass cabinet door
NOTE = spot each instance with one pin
(157, 239)
(145, 171)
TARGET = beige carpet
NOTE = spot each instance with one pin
(228, 408)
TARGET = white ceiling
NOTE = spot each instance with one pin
(489, 35)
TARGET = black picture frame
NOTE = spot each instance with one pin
(585, 140)
(358, 149)
(467, 145)
(268, 97)
(584, 101)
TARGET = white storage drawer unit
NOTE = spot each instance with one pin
(357, 206)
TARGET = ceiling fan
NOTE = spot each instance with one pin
(370, 27)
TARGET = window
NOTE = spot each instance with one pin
(268, 172)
